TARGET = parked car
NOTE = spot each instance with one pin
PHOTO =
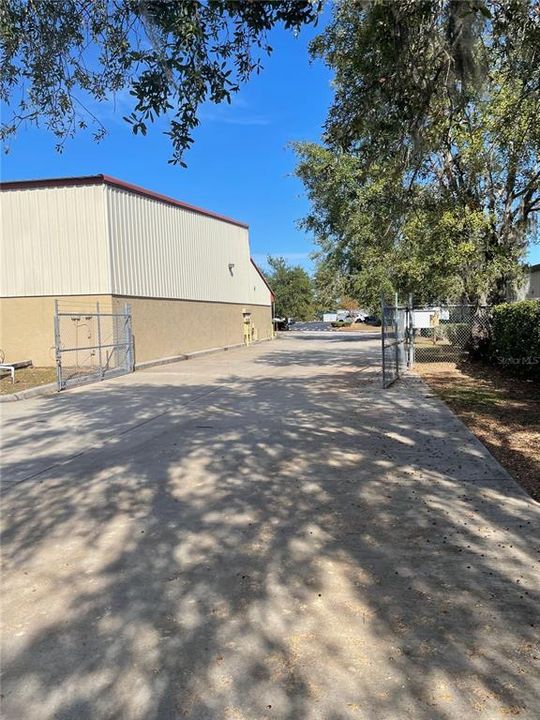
(373, 320)
(280, 323)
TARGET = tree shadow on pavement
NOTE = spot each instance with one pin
(267, 548)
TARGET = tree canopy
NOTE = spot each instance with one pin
(61, 58)
(329, 287)
(292, 288)
(428, 179)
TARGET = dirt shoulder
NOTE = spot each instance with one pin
(26, 378)
(503, 412)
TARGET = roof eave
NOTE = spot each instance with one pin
(119, 184)
(265, 281)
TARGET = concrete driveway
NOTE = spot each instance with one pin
(260, 534)
(312, 326)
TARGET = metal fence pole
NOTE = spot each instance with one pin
(128, 337)
(57, 349)
(101, 371)
(396, 332)
(410, 330)
(382, 342)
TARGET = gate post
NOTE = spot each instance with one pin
(396, 331)
(128, 339)
(101, 373)
(57, 350)
(382, 341)
(410, 333)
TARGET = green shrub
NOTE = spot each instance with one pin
(457, 334)
(516, 337)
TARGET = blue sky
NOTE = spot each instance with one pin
(240, 164)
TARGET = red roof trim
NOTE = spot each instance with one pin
(114, 182)
(52, 182)
(257, 268)
(169, 200)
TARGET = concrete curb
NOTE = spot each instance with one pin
(185, 356)
(52, 388)
(190, 356)
(49, 389)
(436, 400)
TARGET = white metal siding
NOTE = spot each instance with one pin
(54, 242)
(98, 239)
(259, 294)
(163, 251)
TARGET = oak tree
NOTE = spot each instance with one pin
(61, 59)
(428, 179)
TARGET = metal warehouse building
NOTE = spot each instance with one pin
(185, 273)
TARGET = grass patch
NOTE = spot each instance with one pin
(443, 351)
(27, 378)
(470, 396)
(358, 327)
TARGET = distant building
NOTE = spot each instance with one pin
(329, 317)
(343, 314)
(532, 286)
(186, 272)
(526, 289)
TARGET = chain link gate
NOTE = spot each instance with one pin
(92, 345)
(396, 338)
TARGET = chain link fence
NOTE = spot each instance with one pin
(419, 335)
(448, 333)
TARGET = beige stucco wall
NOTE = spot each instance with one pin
(166, 328)
(161, 328)
(27, 325)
